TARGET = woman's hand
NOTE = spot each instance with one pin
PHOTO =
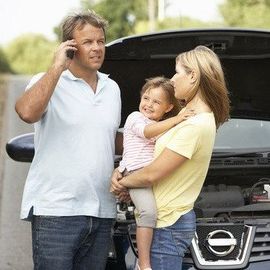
(116, 187)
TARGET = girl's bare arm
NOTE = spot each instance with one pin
(157, 128)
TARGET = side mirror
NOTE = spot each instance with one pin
(21, 148)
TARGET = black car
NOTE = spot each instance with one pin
(233, 209)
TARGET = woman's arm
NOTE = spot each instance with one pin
(167, 162)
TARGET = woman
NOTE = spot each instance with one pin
(182, 156)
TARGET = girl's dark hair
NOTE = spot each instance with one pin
(168, 89)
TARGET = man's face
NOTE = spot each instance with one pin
(91, 47)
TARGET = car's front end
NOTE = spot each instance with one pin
(233, 209)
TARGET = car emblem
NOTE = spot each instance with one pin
(217, 239)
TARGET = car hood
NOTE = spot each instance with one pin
(244, 54)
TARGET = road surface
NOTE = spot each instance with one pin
(15, 238)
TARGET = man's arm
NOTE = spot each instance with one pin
(33, 103)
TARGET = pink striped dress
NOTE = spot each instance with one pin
(138, 150)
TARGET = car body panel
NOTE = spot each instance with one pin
(242, 52)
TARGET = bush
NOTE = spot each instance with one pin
(4, 65)
(30, 54)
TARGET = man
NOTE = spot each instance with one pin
(76, 111)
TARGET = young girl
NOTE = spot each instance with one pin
(158, 112)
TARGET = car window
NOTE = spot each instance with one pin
(243, 133)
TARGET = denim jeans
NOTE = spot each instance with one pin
(170, 243)
(70, 243)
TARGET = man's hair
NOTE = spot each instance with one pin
(78, 20)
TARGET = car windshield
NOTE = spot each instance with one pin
(241, 134)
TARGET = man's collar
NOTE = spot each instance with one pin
(101, 76)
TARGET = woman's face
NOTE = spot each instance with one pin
(182, 82)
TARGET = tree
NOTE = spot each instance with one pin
(131, 17)
(4, 65)
(246, 13)
(121, 15)
(30, 53)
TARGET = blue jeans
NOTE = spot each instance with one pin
(70, 243)
(170, 243)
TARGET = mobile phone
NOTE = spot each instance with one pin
(70, 53)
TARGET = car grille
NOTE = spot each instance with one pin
(216, 245)
(253, 245)
(261, 244)
(220, 251)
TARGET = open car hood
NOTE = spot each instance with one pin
(245, 57)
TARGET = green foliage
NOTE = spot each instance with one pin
(184, 22)
(121, 15)
(88, 4)
(175, 23)
(30, 53)
(131, 17)
(4, 65)
(246, 13)
(58, 32)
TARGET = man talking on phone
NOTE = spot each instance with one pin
(76, 111)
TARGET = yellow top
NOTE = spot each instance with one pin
(194, 138)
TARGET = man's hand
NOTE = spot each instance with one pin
(33, 102)
(116, 188)
(61, 59)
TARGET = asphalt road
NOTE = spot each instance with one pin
(15, 238)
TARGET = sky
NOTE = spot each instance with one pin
(40, 16)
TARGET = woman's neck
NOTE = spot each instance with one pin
(198, 105)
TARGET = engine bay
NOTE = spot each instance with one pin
(222, 201)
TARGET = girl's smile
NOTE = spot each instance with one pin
(154, 104)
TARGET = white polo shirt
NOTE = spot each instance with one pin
(74, 150)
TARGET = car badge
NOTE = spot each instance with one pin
(220, 238)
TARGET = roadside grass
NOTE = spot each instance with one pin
(3, 85)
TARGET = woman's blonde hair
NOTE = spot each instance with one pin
(210, 82)
(168, 89)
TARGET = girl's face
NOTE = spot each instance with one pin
(182, 82)
(154, 104)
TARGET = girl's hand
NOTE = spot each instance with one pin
(184, 115)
